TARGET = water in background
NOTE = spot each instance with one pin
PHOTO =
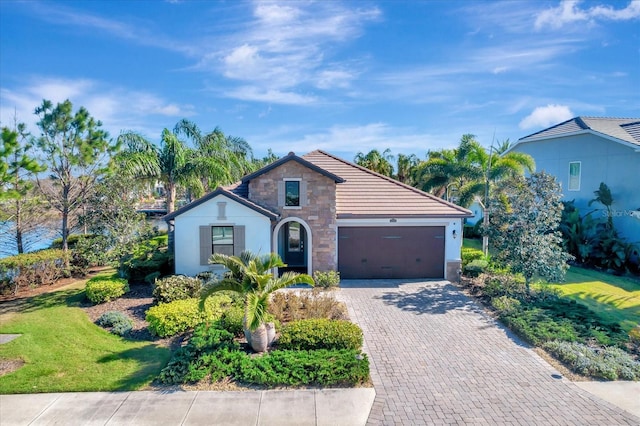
(46, 242)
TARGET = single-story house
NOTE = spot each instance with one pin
(584, 151)
(320, 212)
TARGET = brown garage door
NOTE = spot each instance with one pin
(391, 252)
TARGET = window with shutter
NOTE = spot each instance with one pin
(227, 239)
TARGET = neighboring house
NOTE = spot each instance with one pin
(320, 212)
(478, 212)
(584, 151)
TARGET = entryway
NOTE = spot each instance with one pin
(294, 245)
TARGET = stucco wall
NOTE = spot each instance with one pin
(319, 213)
(187, 245)
(602, 160)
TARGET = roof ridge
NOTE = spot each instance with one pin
(389, 179)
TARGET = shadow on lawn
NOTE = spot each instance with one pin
(149, 361)
(71, 297)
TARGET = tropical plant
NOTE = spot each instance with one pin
(214, 159)
(251, 276)
(376, 161)
(523, 222)
(596, 242)
(468, 169)
(406, 167)
(604, 197)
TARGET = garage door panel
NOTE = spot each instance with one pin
(391, 252)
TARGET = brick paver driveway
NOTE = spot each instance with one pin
(436, 358)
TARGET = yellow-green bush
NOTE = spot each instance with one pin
(105, 288)
(169, 319)
(311, 334)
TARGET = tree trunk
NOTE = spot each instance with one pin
(171, 197)
(65, 217)
(19, 227)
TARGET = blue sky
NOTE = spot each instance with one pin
(340, 76)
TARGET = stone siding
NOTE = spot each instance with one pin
(319, 213)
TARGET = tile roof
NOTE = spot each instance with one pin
(366, 194)
(360, 193)
(233, 192)
(623, 129)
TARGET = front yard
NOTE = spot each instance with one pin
(614, 298)
(63, 351)
(590, 323)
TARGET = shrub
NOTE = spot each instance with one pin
(505, 304)
(176, 287)
(291, 306)
(146, 258)
(72, 240)
(294, 368)
(232, 320)
(470, 254)
(105, 288)
(608, 363)
(185, 365)
(276, 368)
(32, 269)
(495, 285)
(327, 279)
(168, 319)
(322, 333)
(116, 321)
(475, 267)
(536, 326)
(634, 339)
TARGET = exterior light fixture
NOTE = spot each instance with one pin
(454, 234)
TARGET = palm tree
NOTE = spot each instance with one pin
(406, 168)
(449, 169)
(214, 160)
(250, 275)
(169, 163)
(376, 161)
(220, 159)
(468, 169)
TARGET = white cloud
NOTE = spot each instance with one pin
(259, 94)
(329, 79)
(288, 46)
(62, 15)
(118, 108)
(546, 116)
(359, 138)
(569, 11)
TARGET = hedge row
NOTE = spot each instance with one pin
(32, 269)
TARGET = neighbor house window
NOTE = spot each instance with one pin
(574, 176)
(222, 240)
(292, 193)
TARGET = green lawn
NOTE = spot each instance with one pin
(65, 352)
(614, 298)
(472, 243)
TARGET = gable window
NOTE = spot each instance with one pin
(222, 240)
(292, 193)
(574, 176)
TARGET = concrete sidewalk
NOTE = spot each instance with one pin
(273, 407)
